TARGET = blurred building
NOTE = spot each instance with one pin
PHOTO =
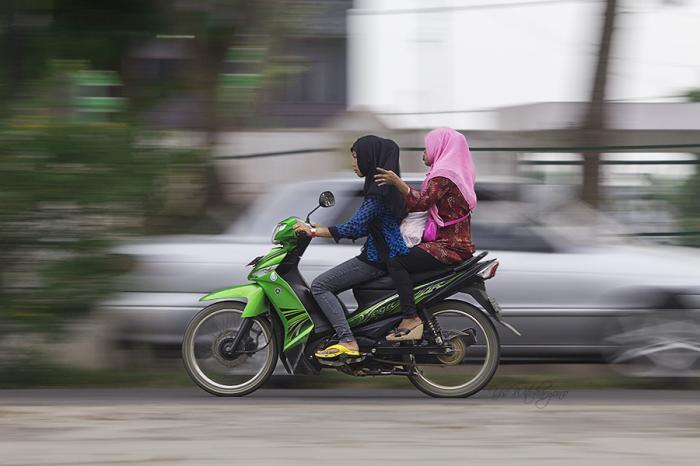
(308, 88)
(317, 45)
(401, 68)
(450, 63)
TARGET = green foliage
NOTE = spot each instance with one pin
(33, 33)
(694, 95)
(69, 191)
(111, 35)
(70, 188)
(31, 373)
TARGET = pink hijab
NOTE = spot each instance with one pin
(449, 157)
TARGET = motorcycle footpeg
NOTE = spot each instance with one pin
(330, 362)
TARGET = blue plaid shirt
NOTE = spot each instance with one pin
(358, 226)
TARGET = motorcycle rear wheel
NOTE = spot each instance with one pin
(447, 377)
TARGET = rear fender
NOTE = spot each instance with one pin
(252, 293)
(477, 290)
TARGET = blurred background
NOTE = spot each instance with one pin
(148, 148)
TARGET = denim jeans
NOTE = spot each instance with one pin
(336, 280)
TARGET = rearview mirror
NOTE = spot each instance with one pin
(326, 199)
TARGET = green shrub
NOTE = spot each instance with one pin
(68, 191)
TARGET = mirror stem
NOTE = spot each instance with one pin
(308, 216)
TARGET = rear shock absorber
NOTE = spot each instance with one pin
(432, 324)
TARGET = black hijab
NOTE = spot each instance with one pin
(373, 152)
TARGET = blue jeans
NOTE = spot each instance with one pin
(336, 280)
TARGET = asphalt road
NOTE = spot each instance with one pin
(527, 425)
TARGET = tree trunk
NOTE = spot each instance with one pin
(12, 59)
(212, 58)
(594, 122)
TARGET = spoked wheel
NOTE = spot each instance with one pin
(474, 358)
(210, 359)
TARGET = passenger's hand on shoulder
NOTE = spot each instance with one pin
(384, 177)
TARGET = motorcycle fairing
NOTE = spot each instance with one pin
(295, 319)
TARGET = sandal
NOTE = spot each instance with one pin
(406, 334)
(336, 350)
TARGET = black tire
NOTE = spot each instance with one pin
(197, 375)
(491, 361)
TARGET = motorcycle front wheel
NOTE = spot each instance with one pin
(475, 355)
(208, 356)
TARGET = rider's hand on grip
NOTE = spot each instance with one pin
(302, 229)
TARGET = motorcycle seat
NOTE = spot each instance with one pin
(385, 282)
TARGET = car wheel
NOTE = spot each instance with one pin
(659, 343)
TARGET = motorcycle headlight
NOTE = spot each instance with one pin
(278, 228)
(259, 273)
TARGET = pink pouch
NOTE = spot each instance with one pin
(430, 232)
(431, 227)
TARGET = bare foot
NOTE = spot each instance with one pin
(351, 345)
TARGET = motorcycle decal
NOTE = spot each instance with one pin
(380, 310)
(391, 306)
(297, 325)
(426, 290)
(296, 321)
(270, 260)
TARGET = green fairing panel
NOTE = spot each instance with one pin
(295, 319)
(285, 234)
(274, 257)
(256, 303)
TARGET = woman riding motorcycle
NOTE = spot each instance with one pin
(378, 218)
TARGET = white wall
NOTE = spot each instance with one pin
(247, 177)
(621, 115)
(475, 59)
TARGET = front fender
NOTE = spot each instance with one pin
(256, 301)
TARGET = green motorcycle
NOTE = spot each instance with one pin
(232, 347)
